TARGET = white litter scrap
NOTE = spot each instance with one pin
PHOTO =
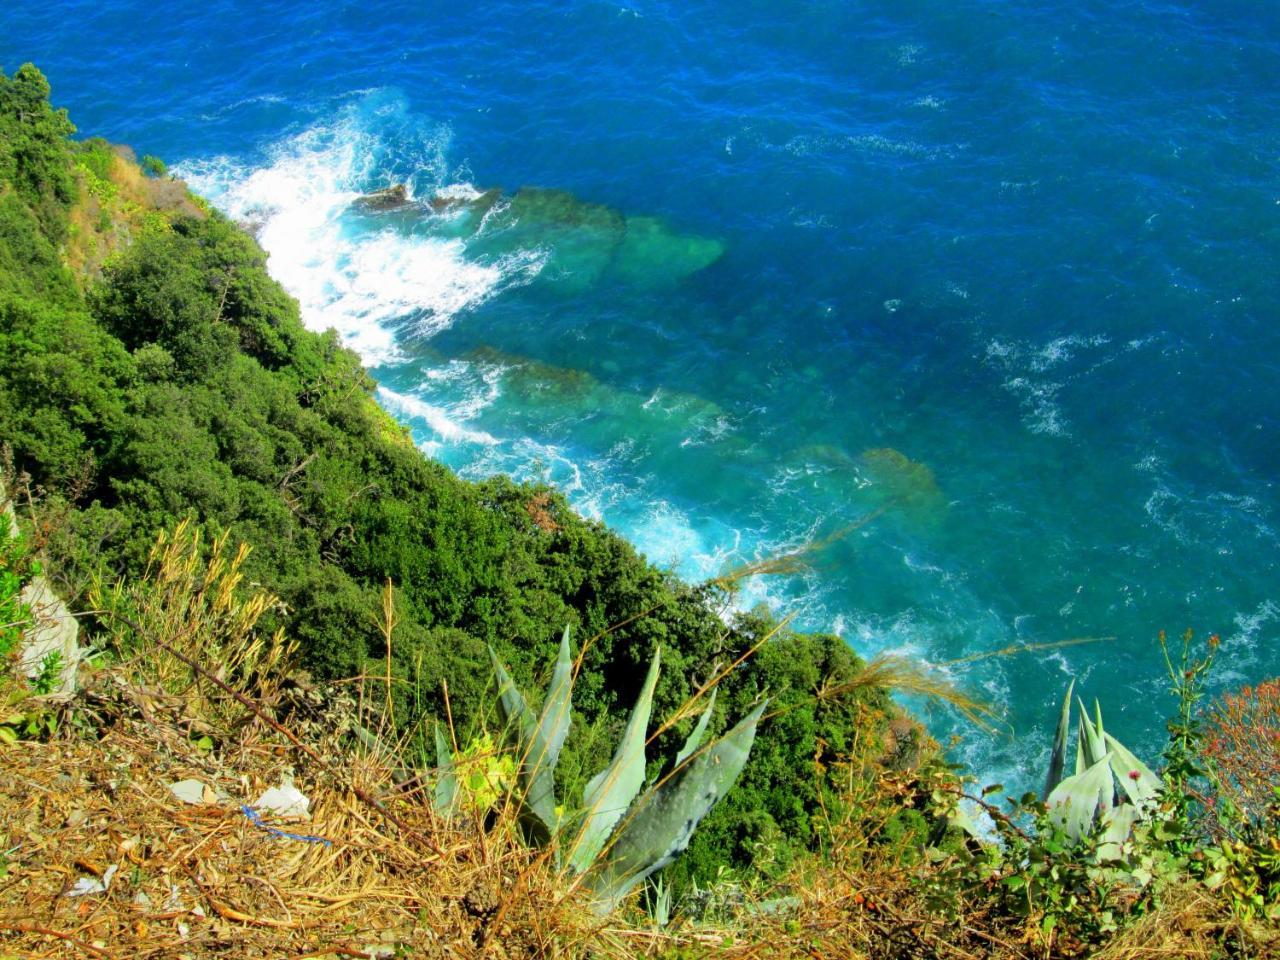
(192, 791)
(285, 800)
(90, 885)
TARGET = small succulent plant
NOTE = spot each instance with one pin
(620, 835)
(1110, 786)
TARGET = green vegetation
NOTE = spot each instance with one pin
(1111, 789)
(168, 377)
(16, 567)
(616, 853)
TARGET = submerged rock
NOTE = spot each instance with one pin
(581, 240)
(903, 482)
(580, 237)
(652, 252)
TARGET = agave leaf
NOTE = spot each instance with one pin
(699, 731)
(553, 725)
(1076, 801)
(446, 793)
(370, 741)
(1082, 764)
(540, 740)
(611, 791)
(661, 825)
(515, 712)
(1097, 726)
(1118, 824)
(1057, 759)
(1135, 777)
(1093, 745)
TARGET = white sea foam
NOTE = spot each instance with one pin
(363, 283)
(1029, 366)
(1250, 625)
(265, 98)
(437, 420)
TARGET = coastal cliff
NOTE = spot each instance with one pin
(288, 733)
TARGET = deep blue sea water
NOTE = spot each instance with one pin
(1003, 275)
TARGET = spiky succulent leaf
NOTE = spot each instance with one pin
(1118, 825)
(1057, 759)
(611, 791)
(539, 740)
(699, 731)
(553, 724)
(370, 741)
(664, 819)
(1076, 801)
(1097, 724)
(446, 792)
(515, 712)
(1094, 749)
(1135, 778)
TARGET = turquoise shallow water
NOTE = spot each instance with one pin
(1003, 275)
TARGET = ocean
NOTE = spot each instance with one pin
(977, 299)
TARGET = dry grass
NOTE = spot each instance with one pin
(193, 598)
(1191, 923)
(102, 225)
(204, 880)
(374, 871)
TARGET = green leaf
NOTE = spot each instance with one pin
(663, 822)
(1082, 763)
(1058, 757)
(1142, 789)
(540, 740)
(1077, 800)
(1119, 823)
(446, 792)
(699, 731)
(553, 725)
(959, 817)
(611, 791)
(511, 703)
(1093, 744)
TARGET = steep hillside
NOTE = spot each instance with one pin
(151, 371)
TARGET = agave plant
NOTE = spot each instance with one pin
(619, 836)
(1110, 786)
